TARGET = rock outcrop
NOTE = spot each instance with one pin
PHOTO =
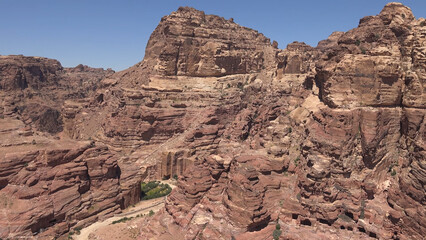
(324, 142)
(173, 105)
(48, 186)
(190, 43)
(347, 146)
(48, 182)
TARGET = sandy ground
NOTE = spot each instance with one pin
(124, 230)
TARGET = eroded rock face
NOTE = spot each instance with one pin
(191, 43)
(348, 141)
(34, 89)
(19, 72)
(49, 183)
(48, 186)
(327, 142)
(165, 109)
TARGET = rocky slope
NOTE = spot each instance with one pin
(49, 182)
(330, 145)
(326, 142)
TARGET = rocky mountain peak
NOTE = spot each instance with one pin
(299, 143)
(188, 12)
(190, 43)
(395, 11)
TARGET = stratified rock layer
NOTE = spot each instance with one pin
(326, 142)
(337, 144)
(49, 185)
(48, 182)
(191, 43)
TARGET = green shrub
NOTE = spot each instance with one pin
(125, 219)
(392, 170)
(145, 187)
(357, 42)
(151, 213)
(296, 160)
(154, 189)
(277, 232)
(175, 177)
(77, 230)
(240, 86)
(376, 36)
(299, 197)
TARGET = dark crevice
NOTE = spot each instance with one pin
(373, 235)
(323, 221)
(319, 85)
(306, 222)
(349, 214)
(257, 226)
(147, 135)
(177, 59)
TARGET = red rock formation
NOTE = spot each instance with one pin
(19, 72)
(326, 142)
(349, 145)
(48, 186)
(191, 43)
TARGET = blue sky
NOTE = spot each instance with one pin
(106, 33)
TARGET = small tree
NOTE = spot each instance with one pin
(362, 215)
(277, 232)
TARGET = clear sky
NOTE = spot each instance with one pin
(106, 33)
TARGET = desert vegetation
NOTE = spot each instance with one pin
(154, 189)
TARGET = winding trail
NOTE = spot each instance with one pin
(143, 207)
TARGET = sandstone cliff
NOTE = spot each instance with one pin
(329, 145)
(328, 142)
(48, 182)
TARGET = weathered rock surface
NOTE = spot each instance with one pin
(328, 142)
(161, 114)
(48, 186)
(191, 43)
(347, 144)
(49, 183)
(34, 89)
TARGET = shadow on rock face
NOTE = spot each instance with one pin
(50, 121)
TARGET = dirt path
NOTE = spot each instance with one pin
(143, 207)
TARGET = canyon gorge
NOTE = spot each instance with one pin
(324, 142)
